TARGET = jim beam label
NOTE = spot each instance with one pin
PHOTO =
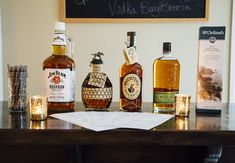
(210, 69)
(59, 39)
(97, 79)
(60, 85)
(130, 55)
(97, 93)
(131, 86)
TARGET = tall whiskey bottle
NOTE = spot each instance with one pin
(59, 74)
(131, 78)
(166, 78)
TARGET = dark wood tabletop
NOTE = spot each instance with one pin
(195, 130)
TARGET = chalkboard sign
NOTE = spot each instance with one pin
(134, 10)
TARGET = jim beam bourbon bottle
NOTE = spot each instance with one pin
(166, 79)
(131, 78)
(97, 90)
(59, 74)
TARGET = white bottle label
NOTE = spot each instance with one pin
(59, 39)
(131, 86)
(130, 55)
(60, 85)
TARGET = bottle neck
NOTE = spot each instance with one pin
(131, 41)
(59, 50)
(167, 53)
(96, 67)
(59, 43)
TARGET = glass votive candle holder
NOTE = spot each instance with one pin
(17, 88)
(182, 105)
(38, 124)
(38, 108)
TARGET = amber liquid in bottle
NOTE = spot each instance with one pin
(166, 78)
(97, 90)
(97, 104)
(59, 61)
(131, 82)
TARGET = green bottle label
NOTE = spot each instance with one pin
(164, 97)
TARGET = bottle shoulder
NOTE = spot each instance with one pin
(58, 61)
(131, 69)
(108, 83)
(131, 66)
(167, 59)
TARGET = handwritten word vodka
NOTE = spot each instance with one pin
(59, 74)
(131, 78)
(166, 79)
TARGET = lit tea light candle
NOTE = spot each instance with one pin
(182, 104)
(38, 108)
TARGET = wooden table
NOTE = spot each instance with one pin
(198, 138)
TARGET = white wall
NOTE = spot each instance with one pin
(28, 31)
(1, 75)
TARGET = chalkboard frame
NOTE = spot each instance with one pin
(129, 20)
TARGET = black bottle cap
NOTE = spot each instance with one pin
(166, 46)
(131, 33)
(97, 58)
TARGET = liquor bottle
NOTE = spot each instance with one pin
(59, 74)
(97, 90)
(166, 78)
(131, 78)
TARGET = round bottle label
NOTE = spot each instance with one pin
(131, 86)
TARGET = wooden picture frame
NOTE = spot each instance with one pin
(78, 19)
